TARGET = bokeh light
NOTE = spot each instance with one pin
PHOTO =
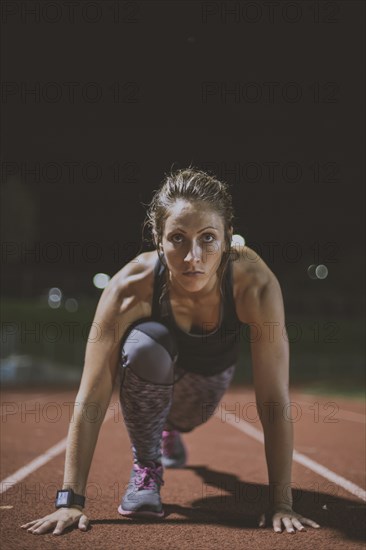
(54, 298)
(54, 305)
(317, 271)
(100, 280)
(311, 271)
(71, 305)
(237, 240)
(54, 294)
(321, 271)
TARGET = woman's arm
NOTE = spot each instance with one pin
(270, 365)
(118, 307)
(263, 305)
(96, 386)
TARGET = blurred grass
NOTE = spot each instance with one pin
(326, 355)
(338, 389)
(45, 333)
(326, 352)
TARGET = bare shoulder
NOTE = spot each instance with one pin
(251, 275)
(127, 297)
(135, 279)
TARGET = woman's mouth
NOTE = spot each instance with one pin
(193, 273)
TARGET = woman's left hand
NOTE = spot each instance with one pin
(290, 519)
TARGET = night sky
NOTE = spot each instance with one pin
(269, 99)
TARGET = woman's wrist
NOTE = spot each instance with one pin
(78, 507)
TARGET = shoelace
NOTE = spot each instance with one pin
(169, 439)
(147, 477)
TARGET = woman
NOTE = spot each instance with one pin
(176, 314)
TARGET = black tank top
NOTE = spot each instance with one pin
(209, 352)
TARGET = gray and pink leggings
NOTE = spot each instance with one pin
(156, 395)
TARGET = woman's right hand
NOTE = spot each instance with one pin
(61, 518)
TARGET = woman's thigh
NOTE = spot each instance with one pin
(195, 398)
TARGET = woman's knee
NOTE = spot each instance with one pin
(150, 350)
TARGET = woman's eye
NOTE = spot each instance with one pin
(209, 235)
(178, 238)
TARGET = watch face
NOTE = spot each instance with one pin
(62, 497)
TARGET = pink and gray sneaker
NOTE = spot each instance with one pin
(142, 497)
(174, 453)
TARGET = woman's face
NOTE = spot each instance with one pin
(193, 241)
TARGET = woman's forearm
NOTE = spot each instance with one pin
(278, 441)
(81, 442)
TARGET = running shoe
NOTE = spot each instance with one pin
(174, 453)
(142, 497)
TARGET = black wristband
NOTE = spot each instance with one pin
(65, 498)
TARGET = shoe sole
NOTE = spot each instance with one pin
(143, 513)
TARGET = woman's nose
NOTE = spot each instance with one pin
(194, 253)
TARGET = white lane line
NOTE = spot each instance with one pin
(22, 473)
(41, 460)
(352, 488)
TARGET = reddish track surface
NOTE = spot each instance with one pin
(212, 503)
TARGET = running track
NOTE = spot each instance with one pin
(213, 502)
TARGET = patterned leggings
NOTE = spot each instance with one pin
(156, 394)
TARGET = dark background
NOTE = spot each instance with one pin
(77, 169)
